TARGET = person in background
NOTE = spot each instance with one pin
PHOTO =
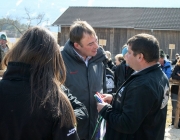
(86, 72)
(174, 90)
(165, 64)
(3, 48)
(33, 104)
(139, 107)
(123, 71)
(118, 59)
(176, 58)
(109, 62)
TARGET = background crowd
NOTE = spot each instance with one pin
(48, 92)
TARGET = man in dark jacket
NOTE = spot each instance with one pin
(138, 110)
(85, 71)
(3, 47)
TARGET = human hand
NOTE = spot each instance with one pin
(107, 98)
(178, 74)
(100, 106)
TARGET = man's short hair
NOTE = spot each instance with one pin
(77, 30)
(146, 44)
(161, 54)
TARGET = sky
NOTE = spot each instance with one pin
(54, 8)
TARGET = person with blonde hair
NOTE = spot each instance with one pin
(109, 60)
(33, 104)
(122, 71)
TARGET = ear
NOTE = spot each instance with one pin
(76, 45)
(140, 57)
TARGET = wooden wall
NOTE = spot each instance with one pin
(116, 38)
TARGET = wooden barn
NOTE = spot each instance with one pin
(115, 25)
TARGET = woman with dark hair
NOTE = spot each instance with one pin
(33, 104)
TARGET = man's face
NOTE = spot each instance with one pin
(88, 46)
(131, 60)
(161, 61)
(3, 42)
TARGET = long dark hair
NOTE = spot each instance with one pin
(38, 48)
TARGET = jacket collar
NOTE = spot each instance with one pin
(17, 71)
(142, 72)
(147, 70)
(100, 56)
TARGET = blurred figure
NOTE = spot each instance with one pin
(3, 47)
(109, 62)
(174, 90)
(122, 71)
(176, 58)
(33, 106)
(118, 59)
(165, 64)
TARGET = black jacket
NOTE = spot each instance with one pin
(121, 74)
(175, 88)
(84, 81)
(110, 64)
(16, 120)
(139, 108)
(79, 109)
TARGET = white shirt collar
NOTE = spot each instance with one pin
(85, 60)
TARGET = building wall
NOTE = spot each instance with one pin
(117, 37)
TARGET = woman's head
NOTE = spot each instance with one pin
(118, 59)
(178, 61)
(38, 48)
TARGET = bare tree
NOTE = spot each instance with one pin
(30, 20)
(40, 18)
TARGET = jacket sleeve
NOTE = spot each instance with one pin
(137, 104)
(168, 71)
(104, 80)
(63, 133)
(78, 107)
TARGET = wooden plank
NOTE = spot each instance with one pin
(177, 112)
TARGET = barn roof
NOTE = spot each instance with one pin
(123, 17)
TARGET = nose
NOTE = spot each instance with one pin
(96, 45)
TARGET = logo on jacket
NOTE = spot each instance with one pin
(73, 72)
(109, 81)
(120, 91)
(166, 96)
(71, 131)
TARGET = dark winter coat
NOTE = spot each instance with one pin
(121, 74)
(175, 88)
(16, 120)
(84, 81)
(139, 108)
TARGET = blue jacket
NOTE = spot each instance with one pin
(166, 68)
